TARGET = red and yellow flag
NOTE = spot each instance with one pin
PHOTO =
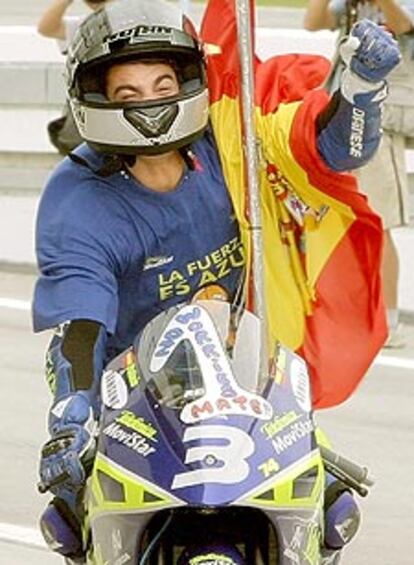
(322, 242)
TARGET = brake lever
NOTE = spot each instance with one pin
(355, 476)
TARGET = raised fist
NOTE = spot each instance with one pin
(370, 51)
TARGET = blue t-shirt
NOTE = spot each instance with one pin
(113, 251)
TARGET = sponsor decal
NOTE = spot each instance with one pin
(154, 262)
(269, 467)
(138, 424)
(114, 383)
(356, 139)
(114, 390)
(299, 379)
(131, 372)
(141, 33)
(279, 423)
(295, 433)
(132, 440)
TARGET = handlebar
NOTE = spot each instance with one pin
(353, 475)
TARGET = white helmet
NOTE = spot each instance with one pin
(132, 30)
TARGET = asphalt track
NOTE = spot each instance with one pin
(376, 427)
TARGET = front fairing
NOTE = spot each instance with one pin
(152, 443)
(189, 422)
(212, 449)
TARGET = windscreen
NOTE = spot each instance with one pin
(200, 353)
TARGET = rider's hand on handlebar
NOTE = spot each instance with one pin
(65, 458)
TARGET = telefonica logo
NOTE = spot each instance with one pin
(296, 432)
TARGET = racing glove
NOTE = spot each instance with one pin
(67, 456)
(370, 53)
(74, 365)
(349, 129)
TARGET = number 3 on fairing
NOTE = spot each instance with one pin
(221, 463)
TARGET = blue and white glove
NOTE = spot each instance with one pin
(370, 53)
(350, 131)
(66, 457)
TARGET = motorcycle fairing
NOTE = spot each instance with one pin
(298, 520)
(245, 449)
(157, 459)
(113, 488)
(300, 485)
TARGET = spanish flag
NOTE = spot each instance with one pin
(322, 242)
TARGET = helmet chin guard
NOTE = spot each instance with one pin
(133, 31)
(153, 121)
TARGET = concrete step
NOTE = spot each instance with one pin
(25, 12)
(24, 130)
(22, 12)
(32, 66)
(25, 173)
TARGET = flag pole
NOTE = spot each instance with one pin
(252, 152)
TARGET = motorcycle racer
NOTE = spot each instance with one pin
(141, 215)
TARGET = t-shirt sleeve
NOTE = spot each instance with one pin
(77, 265)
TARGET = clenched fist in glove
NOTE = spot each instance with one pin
(370, 54)
(370, 51)
(350, 131)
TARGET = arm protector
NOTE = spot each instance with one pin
(349, 129)
(75, 360)
(74, 365)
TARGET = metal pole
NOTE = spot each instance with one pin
(252, 151)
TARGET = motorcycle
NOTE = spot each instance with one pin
(200, 459)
